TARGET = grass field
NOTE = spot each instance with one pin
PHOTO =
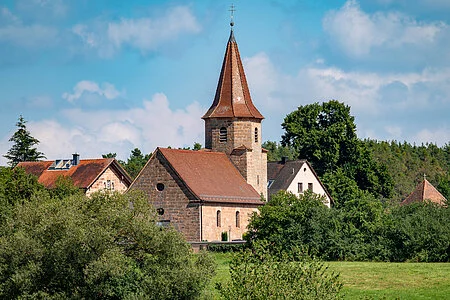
(373, 280)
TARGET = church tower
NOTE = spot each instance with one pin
(233, 123)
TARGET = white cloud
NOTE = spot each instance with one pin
(13, 31)
(358, 34)
(386, 106)
(83, 87)
(440, 136)
(144, 34)
(93, 133)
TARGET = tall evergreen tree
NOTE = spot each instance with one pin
(23, 148)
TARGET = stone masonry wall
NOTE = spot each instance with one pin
(241, 132)
(174, 199)
(101, 183)
(212, 232)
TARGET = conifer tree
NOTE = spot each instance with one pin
(23, 148)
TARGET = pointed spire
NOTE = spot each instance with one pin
(232, 97)
(423, 192)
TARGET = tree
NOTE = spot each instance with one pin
(325, 135)
(23, 148)
(135, 162)
(276, 151)
(288, 221)
(16, 187)
(109, 155)
(107, 246)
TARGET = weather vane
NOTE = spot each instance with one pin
(232, 10)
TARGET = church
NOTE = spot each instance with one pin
(206, 193)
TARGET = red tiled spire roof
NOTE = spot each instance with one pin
(425, 191)
(232, 97)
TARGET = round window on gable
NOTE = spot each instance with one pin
(160, 186)
(160, 211)
(223, 135)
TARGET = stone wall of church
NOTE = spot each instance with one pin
(212, 228)
(168, 194)
(252, 161)
(108, 181)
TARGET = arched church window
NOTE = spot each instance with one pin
(256, 134)
(223, 135)
(219, 218)
(238, 219)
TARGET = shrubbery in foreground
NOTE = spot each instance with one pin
(104, 247)
(264, 274)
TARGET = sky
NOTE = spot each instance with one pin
(108, 76)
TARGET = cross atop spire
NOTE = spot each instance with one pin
(232, 10)
(232, 99)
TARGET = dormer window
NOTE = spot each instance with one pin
(223, 135)
(256, 134)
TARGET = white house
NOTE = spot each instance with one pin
(294, 176)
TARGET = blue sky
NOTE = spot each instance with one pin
(108, 76)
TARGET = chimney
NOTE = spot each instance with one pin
(75, 159)
(284, 159)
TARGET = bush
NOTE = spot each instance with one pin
(104, 247)
(225, 247)
(260, 274)
(224, 236)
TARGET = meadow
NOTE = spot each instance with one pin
(372, 280)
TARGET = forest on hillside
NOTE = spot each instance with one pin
(325, 135)
(406, 163)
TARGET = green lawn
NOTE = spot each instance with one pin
(373, 280)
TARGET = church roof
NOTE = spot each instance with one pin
(232, 97)
(425, 191)
(83, 175)
(211, 176)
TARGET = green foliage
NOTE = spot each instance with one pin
(224, 236)
(325, 135)
(104, 247)
(288, 221)
(16, 187)
(23, 145)
(357, 229)
(135, 162)
(225, 247)
(64, 187)
(408, 163)
(260, 274)
(109, 155)
(276, 151)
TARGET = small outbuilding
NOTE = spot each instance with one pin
(425, 191)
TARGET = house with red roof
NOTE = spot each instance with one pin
(90, 175)
(425, 191)
(215, 190)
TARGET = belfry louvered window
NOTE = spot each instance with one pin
(256, 134)
(223, 135)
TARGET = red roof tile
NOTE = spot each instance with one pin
(232, 95)
(425, 191)
(83, 175)
(211, 176)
